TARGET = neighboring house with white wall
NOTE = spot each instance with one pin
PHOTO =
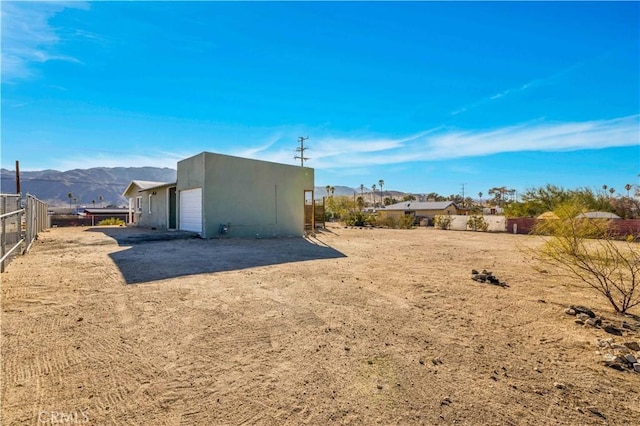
(217, 194)
(418, 210)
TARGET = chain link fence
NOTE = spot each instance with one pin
(20, 222)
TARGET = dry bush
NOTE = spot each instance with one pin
(586, 250)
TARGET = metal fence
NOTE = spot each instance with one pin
(20, 222)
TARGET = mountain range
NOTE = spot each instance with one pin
(89, 185)
(84, 185)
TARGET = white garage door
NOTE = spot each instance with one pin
(191, 210)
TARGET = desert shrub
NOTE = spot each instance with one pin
(357, 218)
(111, 221)
(585, 250)
(477, 223)
(406, 222)
(339, 207)
(442, 221)
(370, 220)
(387, 222)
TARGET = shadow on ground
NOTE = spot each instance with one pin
(157, 255)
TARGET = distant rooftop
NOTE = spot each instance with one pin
(424, 205)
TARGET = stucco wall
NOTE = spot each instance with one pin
(157, 217)
(255, 198)
(496, 223)
(397, 214)
(190, 172)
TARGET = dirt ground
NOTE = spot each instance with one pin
(354, 326)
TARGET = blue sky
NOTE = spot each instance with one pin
(425, 95)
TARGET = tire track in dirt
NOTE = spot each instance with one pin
(16, 370)
(55, 321)
(122, 308)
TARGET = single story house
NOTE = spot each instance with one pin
(217, 194)
(419, 210)
(97, 214)
(152, 204)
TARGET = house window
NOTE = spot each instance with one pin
(139, 204)
(150, 203)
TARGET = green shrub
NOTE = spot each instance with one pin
(111, 221)
(477, 223)
(356, 219)
(370, 220)
(387, 222)
(442, 221)
(406, 222)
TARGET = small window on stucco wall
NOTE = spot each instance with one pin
(139, 204)
(149, 203)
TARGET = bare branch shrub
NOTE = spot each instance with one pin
(586, 250)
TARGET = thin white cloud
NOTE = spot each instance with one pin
(28, 37)
(518, 89)
(537, 137)
(332, 152)
(497, 96)
(257, 150)
(341, 154)
(114, 159)
(509, 91)
(451, 144)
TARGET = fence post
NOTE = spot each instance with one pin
(3, 237)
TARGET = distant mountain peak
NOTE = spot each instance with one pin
(84, 185)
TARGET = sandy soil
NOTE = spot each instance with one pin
(354, 326)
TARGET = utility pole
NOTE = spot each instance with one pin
(463, 201)
(301, 149)
(17, 177)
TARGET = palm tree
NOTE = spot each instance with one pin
(362, 190)
(101, 198)
(480, 196)
(327, 188)
(628, 188)
(381, 184)
(93, 203)
(373, 188)
(332, 190)
(611, 191)
(70, 195)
